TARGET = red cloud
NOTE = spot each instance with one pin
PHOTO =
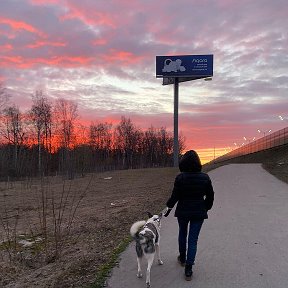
(63, 61)
(19, 25)
(85, 13)
(87, 16)
(115, 56)
(101, 41)
(67, 61)
(123, 56)
(44, 2)
(38, 44)
(6, 47)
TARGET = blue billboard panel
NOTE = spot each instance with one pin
(192, 66)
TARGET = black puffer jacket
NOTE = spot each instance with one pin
(194, 193)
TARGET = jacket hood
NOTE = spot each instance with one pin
(190, 162)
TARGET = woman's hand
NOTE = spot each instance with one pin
(166, 211)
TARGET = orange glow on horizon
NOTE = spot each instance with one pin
(209, 154)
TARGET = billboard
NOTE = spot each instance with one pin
(182, 66)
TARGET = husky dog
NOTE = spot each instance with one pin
(147, 237)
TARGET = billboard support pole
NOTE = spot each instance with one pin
(176, 139)
(175, 69)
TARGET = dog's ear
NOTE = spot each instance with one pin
(149, 214)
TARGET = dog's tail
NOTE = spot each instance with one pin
(136, 227)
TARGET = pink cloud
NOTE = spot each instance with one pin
(44, 2)
(123, 57)
(20, 25)
(63, 61)
(7, 34)
(38, 44)
(5, 48)
(101, 41)
(87, 15)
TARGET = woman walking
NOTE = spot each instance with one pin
(194, 193)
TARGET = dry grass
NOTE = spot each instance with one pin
(86, 244)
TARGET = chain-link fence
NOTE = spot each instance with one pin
(272, 140)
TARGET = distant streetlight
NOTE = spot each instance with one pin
(264, 132)
(283, 118)
(249, 140)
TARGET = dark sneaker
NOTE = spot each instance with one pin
(181, 260)
(188, 272)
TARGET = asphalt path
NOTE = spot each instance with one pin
(244, 243)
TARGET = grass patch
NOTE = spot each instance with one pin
(36, 244)
(105, 269)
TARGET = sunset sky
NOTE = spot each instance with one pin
(101, 54)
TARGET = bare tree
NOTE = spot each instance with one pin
(12, 129)
(150, 144)
(41, 116)
(127, 140)
(101, 136)
(65, 113)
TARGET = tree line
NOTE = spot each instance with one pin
(49, 139)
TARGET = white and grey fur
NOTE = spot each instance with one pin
(147, 237)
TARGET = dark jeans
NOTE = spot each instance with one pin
(194, 230)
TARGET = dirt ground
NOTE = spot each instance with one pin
(102, 206)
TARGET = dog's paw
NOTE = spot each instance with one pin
(160, 262)
(139, 275)
(148, 285)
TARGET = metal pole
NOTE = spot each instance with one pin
(176, 141)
